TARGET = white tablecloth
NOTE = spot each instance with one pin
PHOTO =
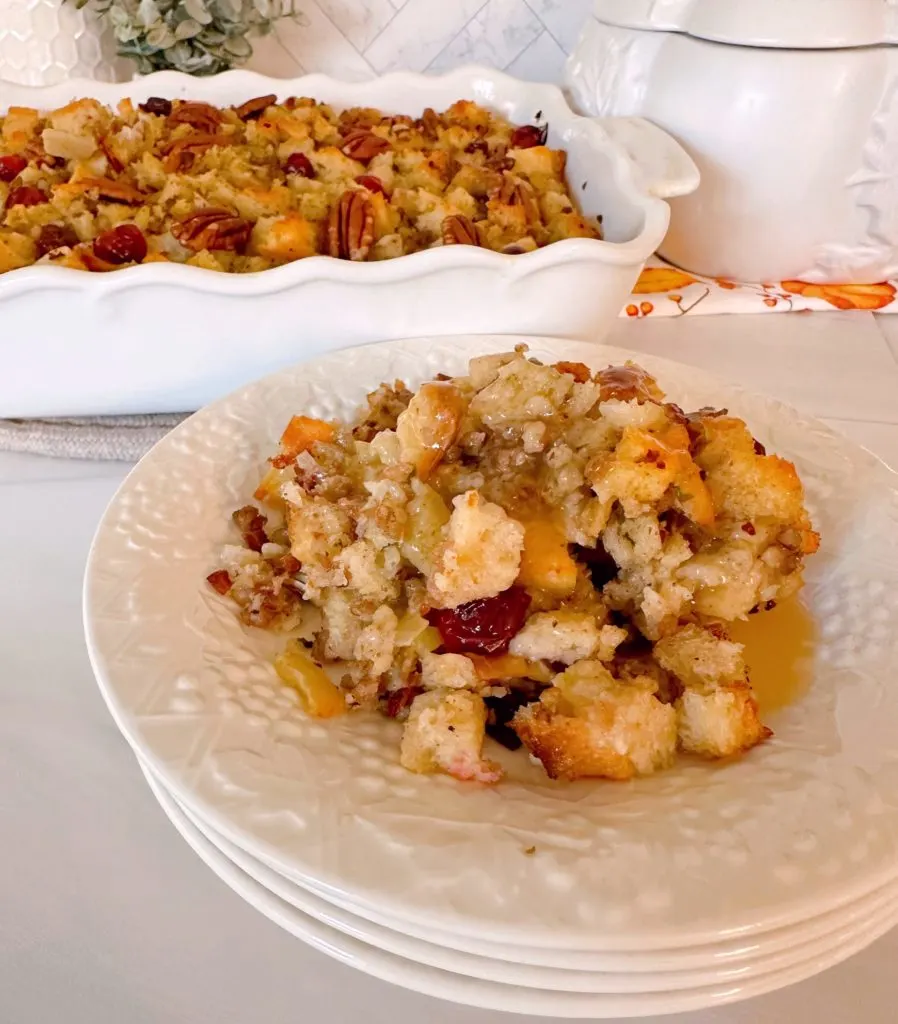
(106, 917)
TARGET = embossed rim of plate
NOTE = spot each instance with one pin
(780, 788)
(705, 965)
(486, 994)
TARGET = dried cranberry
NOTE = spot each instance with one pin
(529, 135)
(371, 183)
(55, 236)
(124, 244)
(759, 448)
(11, 166)
(220, 581)
(299, 163)
(157, 105)
(26, 195)
(482, 627)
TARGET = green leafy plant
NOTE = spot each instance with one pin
(200, 37)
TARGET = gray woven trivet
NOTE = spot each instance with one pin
(109, 438)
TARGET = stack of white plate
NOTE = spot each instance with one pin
(702, 885)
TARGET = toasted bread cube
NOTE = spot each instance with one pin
(19, 127)
(589, 725)
(429, 426)
(79, 117)
(427, 518)
(539, 164)
(719, 721)
(15, 251)
(377, 641)
(468, 114)
(480, 556)
(429, 170)
(285, 239)
(521, 391)
(698, 657)
(478, 181)
(642, 468)
(448, 672)
(335, 167)
(565, 636)
(444, 733)
(744, 483)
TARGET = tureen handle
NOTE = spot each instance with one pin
(667, 169)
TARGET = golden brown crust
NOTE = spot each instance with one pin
(369, 186)
(567, 747)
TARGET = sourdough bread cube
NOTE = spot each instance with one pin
(590, 725)
(481, 554)
(565, 636)
(448, 672)
(719, 721)
(444, 733)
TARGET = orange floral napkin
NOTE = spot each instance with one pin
(662, 290)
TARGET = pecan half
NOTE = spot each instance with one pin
(114, 162)
(428, 123)
(213, 227)
(458, 230)
(254, 108)
(36, 153)
(180, 154)
(513, 192)
(113, 191)
(498, 159)
(202, 116)
(350, 230)
(55, 236)
(363, 145)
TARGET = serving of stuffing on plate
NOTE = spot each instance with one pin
(539, 553)
(248, 188)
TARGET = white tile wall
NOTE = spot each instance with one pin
(358, 38)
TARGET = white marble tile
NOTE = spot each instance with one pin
(542, 61)
(271, 58)
(828, 364)
(495, 36)
(419, 32)
(879, 438)
(888, 325)
(563, 18)
(361, 21)
(319, 45)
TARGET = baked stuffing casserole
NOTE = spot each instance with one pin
(247, 188)
(542, 553)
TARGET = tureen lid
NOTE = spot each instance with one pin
(792, 24)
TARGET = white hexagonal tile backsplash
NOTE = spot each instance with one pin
(44, 41)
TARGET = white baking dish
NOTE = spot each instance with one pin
(790, 109)
(166, 338)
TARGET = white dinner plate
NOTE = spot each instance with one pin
(637, 975)
(491, 995)
(702, 853)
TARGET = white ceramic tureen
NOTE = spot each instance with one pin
(790, 109)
